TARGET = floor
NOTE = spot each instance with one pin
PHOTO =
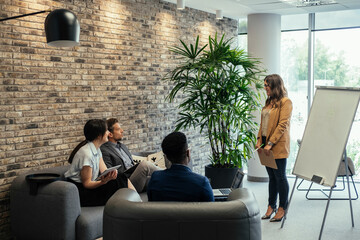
(305, 217)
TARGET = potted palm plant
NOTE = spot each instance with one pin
(219, 86)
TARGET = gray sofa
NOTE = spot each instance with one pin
(54, 212)
(127, 217)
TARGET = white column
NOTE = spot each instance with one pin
(264, 31)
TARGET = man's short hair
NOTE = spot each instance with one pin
(174, 146)
(110, 124)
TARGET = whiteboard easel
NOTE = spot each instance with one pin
(324, 141)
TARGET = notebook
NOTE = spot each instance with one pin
(223, 193)
(130, 170)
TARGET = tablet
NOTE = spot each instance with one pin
(107, 171)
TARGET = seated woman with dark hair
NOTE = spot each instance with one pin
(87, 163)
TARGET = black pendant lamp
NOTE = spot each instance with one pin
(62, 27)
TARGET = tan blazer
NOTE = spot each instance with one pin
(279, 128)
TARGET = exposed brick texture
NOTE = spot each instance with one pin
(47, 94)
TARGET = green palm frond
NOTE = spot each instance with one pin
(218, 86)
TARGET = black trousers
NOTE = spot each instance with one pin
(278, 183)
(100, 195)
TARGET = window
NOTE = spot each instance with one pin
(294, 68)
(242, 40)
(339, 19)
(242, 37)
(294, 22)
(335, 63)
(336, 51)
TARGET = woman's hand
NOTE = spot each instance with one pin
(267, 149)
(258, 147)
(108, 177)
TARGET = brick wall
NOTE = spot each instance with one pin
(47, 94)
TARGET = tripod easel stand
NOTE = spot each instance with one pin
(328, 200)
(324, 141)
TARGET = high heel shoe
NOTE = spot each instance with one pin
(268, 213)
(279, 215)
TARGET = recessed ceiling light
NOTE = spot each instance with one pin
(219, 14)
(180, 4)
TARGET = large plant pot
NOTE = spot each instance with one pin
(220, 177)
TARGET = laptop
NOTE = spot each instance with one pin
(223, 193)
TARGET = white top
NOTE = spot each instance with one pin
(265, 115)
(87, 155)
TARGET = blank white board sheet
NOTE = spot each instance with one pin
(326, 133)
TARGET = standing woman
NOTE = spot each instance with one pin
(274, 135)
(86, 164)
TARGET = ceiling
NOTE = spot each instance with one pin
(241, 8)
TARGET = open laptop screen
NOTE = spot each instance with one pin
(237, 180)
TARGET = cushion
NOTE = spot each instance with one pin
(157, 158)
(90, 223)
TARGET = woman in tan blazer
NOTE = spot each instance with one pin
(274, 136)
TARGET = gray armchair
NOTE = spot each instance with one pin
(54, 212)
(127, 217)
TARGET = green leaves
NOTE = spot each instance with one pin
(190, 53)
(218, 86)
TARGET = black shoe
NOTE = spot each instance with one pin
(277, 218)
(268, 216)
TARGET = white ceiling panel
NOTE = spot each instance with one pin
(241, 8)
(272, 6)
(352, 5)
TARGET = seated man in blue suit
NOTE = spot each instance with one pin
(178, 183)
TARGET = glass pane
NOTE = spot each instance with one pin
(242, 40)
(336, 63)
(243, 26)
(336, 58)
(242, 44)
(294, 68)
(294, 22)
(338, 19)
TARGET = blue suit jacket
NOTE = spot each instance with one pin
(179, 183)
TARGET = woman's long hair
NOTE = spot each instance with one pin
(278, 90)
(92, 130)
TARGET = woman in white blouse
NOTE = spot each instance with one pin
(87, 163)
